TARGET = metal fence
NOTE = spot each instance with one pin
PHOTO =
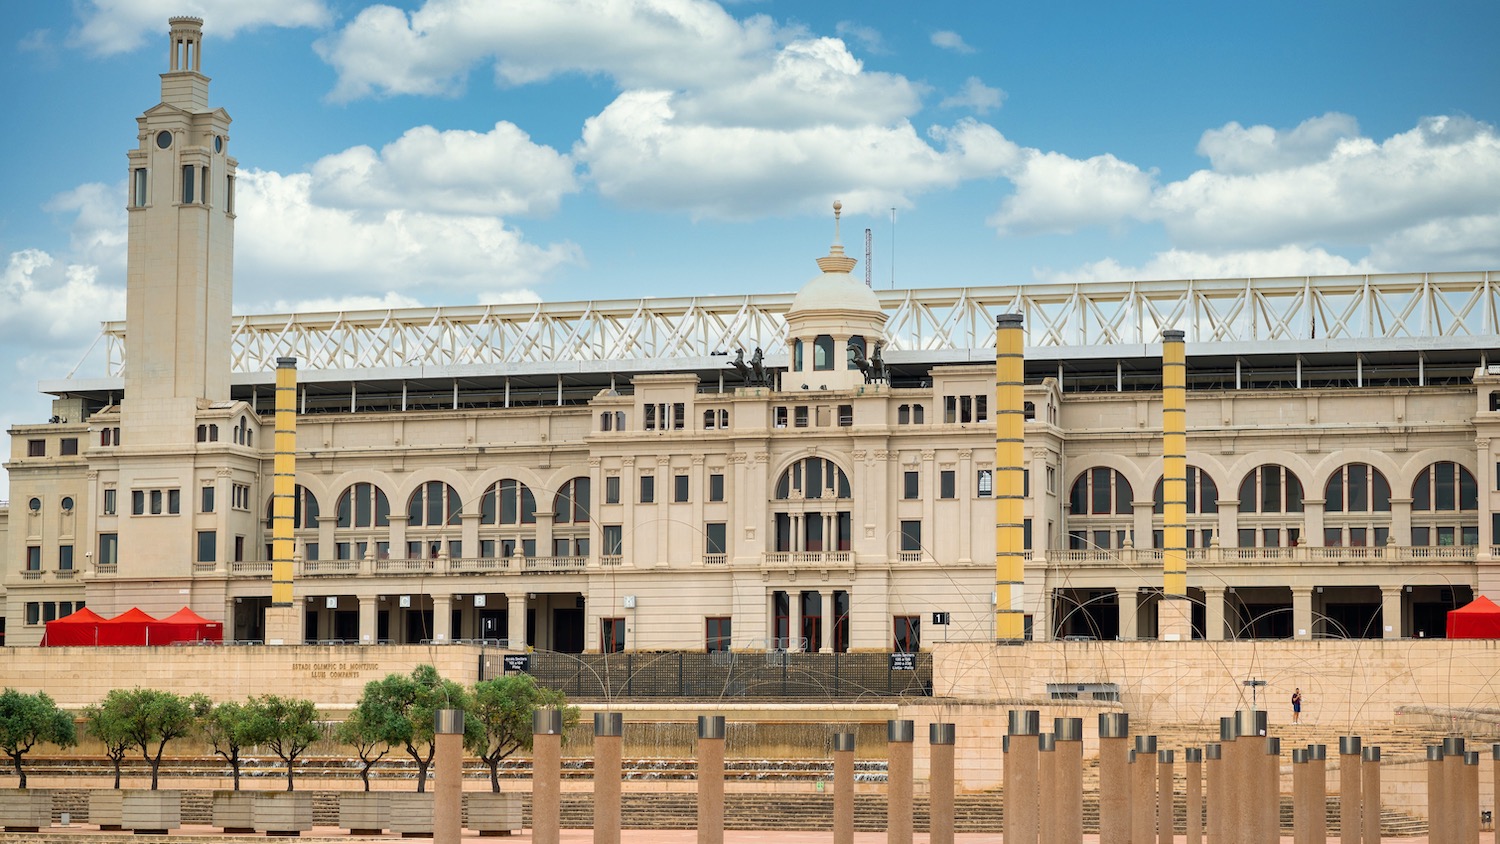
(688, 674)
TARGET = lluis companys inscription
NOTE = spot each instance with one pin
(334, 670)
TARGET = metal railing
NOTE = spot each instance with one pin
(1216, 556)
(731, 674)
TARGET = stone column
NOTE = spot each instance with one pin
(1213, 613)
(369, 616)
(448, 776)
(1467, 831)
(711, 779)
(1021, 811)
(1069, 779)
(1437, 806)
(940, 737)
(442, 618)
(899, 735)
(1390, 611)
(1130, 608)
(825, 603)
(1143, 790)
(1192, 768)
(1317, 785)
(1302, 805)
(1213, 755)
(1302, 617)
(1350, 822)
(1114, 778)
(1164, 831)
(516, 616)
(1046, 788)
(843, 788)
(546, 776)
(1369, 780)
(609, 730)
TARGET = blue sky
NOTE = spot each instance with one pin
(457, 151)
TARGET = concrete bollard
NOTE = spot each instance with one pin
(1143, 790)
(1046, 787)
(1453, 771)
(1271, 791)
(843, 788)
(609, 731)
(1301, 804)
(898, 804)
(1317, 782)
(1369, 782)
(1467, 827)
(546, 776)
(1213, 769)
(1069, 779)
(1020, 776)
(1192, 769)
(1437, 808)
(940, 738)
(711, 733)
(1164, 830)
(448, 775)
(1114, 778)
(1351, 821)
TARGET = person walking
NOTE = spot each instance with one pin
(1296, 706)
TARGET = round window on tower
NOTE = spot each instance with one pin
(34, 505)
(67, 504)
(163, 139)
(218, 143)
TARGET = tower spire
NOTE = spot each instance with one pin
(836, 261)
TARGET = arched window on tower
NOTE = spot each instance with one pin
(1101, 513)
(1202, 509)
(570, 519)
(304, 521)
(1270, 508)
(1444, 506)
(813, 510)
(823, 353)
(507, 520)
(1356, 507)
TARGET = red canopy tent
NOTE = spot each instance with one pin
(131, 627)
(188, 626)
(1478, 620)
(78, 628)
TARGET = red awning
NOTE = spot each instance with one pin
(188, 626)
(1478, 620)
(79, 628)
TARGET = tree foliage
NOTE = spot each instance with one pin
(365, 737)
(230, 727)
(289, 727)
(107, 727)
(149, 718)
(501, 713)
(27, 720)
(399, 710)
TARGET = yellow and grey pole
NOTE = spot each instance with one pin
(1010, 552)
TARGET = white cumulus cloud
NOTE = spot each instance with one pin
(1183, 264)
(1055, 193)
(1235, 149)
(118, 26)
(947, 39)
(975, 95)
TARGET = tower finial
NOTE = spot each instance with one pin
(836, 261)
(838, 210)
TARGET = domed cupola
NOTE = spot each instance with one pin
(835, 325)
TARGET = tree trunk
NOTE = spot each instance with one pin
(494, 775)
(16, 757)
(116, 760)
(364, 774)
(289, 775)
(234, 765)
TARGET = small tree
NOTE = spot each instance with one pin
(106, 726)
(231, 727)
(29, 719)
(290, 727)
(502, 711)
(400, 710)
(364, 735)
(149, 718)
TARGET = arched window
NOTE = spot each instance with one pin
(1445, 486)
(433, 504)
(1101, 491)
(363, 505)
(823, 352)
(812, 478)
(304, 514)
(571, 505)
(1202, 493)
(1357, 488)
(507, 502)
(1271, 489)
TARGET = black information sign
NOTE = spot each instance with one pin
(939, 618)
(517, 662)
(903, 662)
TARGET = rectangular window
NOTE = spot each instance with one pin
(203, 173)
(138, 192)
(799, 417)
(778, 417)
(207, 505)
(69, 446)
(36, 448)
(109, 549)
(1026, 534)
(1470, 534)
(648, 489)
(137, 502)
(562, 547)
(947, 484)
(208, 544)
(239, 550)
(33, 612)
(680, 488)
(65, 558)
(1333, 537)
(229, 195)
(715, 534)
(984, 482)
(1271, 538)
(909, 486)
(109, 502)
(950, 409)
(611, 635)
(156, 500)
(679, 416)
(716, 487)
(187, 184)
(846, 415)
(908, 634)
(174, 501)
(1421, 537)
(612, 489)
(717, 633)
(1247, 538)
(1025, 483)
(981, 408)
(33, 558)
(911, 536)
(614, 540)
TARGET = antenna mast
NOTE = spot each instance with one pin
(893, 249)
(867, 258)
